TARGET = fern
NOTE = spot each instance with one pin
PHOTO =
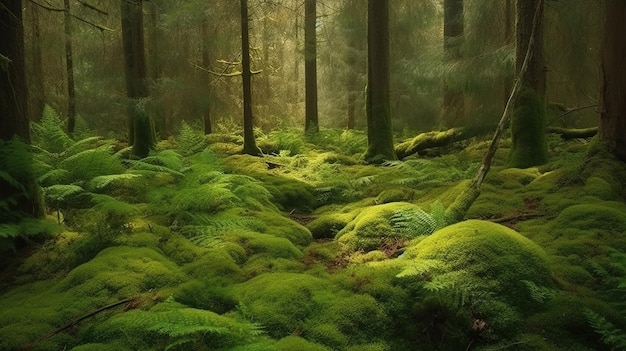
(54, 176)
(182, 326)
(91, 163)
(48, 134)
(141, 167)
(100, 182)
(538, 293)
(189, 141)
(409, 223)
(610, 335)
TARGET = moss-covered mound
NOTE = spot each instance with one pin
(374, 227)
(489, 257)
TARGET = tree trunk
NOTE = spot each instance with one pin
(508, 40)
(612, 129)
(69, 67)
(142, 135)
(379, 129)
(453, 99)
(161, 120)
(249, 143)
(14, 112)
(206, 63)
(529, 146)
(311, 123)
(36, 101)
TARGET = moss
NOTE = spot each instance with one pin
(255, 243)
(395, 195)
(179, 249)
(328, 225)
(123, 272)
(282, 227)
(296, 343)
(512, 178)
(490, 256)
(608, 217)
(214, 263)
(259, 264)
(327, 334)
(100, 347)
(458, 209)
(372, 227)
(369, 347)
(372, 256)
(212, 294)
(281, 302)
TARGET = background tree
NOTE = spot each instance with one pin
(612, 128)
(69, 66)
(310, 65)
(379, 129)
(453, 100)
(249, 142)
(529, 146)
(141, 128)
(17, 181)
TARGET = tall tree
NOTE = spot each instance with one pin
(69, 67)
(379, 129)
(612, 128)
(17, 181)
(310, 65)
(453, 99)
(141, 127)
(249, 143)
(206, 63)
(529, 146)
(35, 73)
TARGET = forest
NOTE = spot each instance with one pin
(312, 175)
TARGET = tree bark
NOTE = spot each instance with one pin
(310, 66)
(612, 129)
(69, 67)
(453, 99)
(37, 98)
(529, 146)
(379, 129)
(14, 111)
(249, 143)
(155, 67)
(206, 63)
(142, 135)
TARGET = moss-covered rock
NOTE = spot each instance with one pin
(296, 343)
(328, 225)
(373, 227)
(490, 256)
(281, 302)
(283, 227)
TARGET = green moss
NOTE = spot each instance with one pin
(328, 225)
(369, 347)
(255, 243)
(123, 272)
(488, 255)
(282, 227)
(395, 195)
(263, 263)
(512, 178)
(372, 227)
(327, 334)
(296, 343)
(281, 302)
(100, 347)
(212, 294)
(608, 217)
(215, 262)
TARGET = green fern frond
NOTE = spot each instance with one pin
(101, 182)
(190, 141)
(418, 268)
(81, 145)
(48, 134)
(27, 228)
(166, 158)
(209, 198)
(142, 167)
(91, 163)
(413, 223)
(16, 159)
(7, 178)
(610, 335)
(538, 293)
(53, 176)
(64, 196)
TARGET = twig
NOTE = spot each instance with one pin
(102, 28)
(90, 314)
(49, 8)
(93, 8)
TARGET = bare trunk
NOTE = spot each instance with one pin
(453, 99)
(249, 143)
(612, 128)
(379, 130)
(69, 66)
(310, 66)
(206, 63)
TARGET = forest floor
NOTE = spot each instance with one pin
(198, 247)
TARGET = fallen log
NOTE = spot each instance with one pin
(429, 140)
(567, 134)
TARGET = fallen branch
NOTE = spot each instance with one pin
(573, 133)
(90, 6)
(429, 140)
(90, 314)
